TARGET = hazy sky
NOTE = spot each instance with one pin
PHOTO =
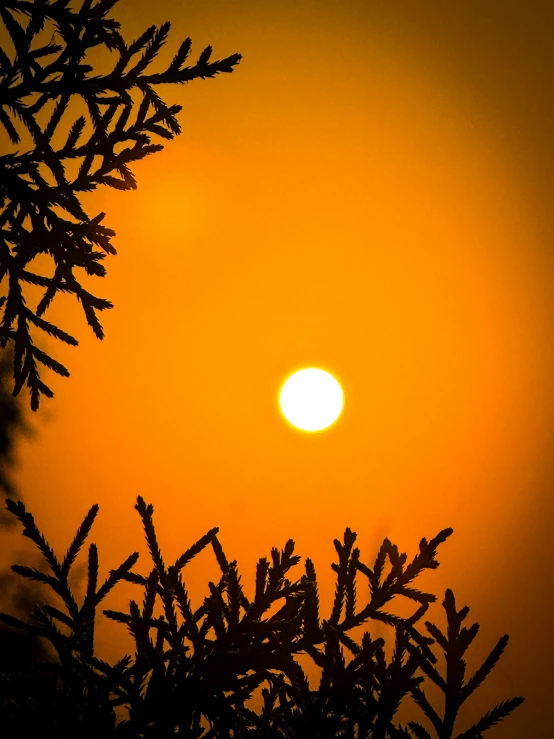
(369, 192)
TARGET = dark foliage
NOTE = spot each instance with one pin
(12, 425)
(194, 671)
(16, 649)
(41, 82)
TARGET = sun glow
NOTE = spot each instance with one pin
(311, 399)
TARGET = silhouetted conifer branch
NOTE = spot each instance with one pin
(79, 540)
(194, 671)
(454, 644)
(492, 717)
(40, 210)
(418, 731)
(195, 549)
(30, 530)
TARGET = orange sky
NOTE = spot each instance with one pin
(369, 193)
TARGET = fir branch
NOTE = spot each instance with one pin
(497, 714)
(482, 672)
(207, 663)
(57, 72)
(115, 576)
(30, 530)
(79, 540)
(419, 731)
(195, 549)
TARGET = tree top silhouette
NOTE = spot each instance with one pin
(195, 671)
(43, 79)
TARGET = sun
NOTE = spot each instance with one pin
(311, 399)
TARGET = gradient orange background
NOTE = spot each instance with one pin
(369, 192)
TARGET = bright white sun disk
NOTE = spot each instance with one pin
(311, 399)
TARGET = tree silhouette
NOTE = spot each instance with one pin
(44, 81)
(194, 670)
